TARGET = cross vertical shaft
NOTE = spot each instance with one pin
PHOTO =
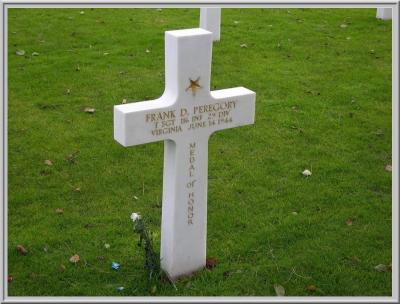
(184, 206)
(184, 187)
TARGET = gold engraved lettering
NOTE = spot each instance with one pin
(167, 130)
(158, 116)
(191, 170)
(184, 112)
(190, 200)
(219, 106)
(190, 184)
(167, 123)
(197, 125)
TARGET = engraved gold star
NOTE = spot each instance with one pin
(194, 85)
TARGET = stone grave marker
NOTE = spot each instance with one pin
(184, 117)
(210, 20)
(384, 13)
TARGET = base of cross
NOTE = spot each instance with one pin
(174, 279)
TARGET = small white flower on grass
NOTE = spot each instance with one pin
(48, 162)
(106, 245)
(306, 172)
(74, 259)
(135, 217)
(279, 290)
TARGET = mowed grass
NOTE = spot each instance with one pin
(323, 83)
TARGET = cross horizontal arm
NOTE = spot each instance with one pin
(242, 109)
(134, 122)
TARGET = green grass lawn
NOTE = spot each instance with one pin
(323, 84)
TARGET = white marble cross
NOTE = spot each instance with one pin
(184, 117)
(210, 20)
(384, 13)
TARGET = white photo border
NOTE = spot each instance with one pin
(394, 5)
